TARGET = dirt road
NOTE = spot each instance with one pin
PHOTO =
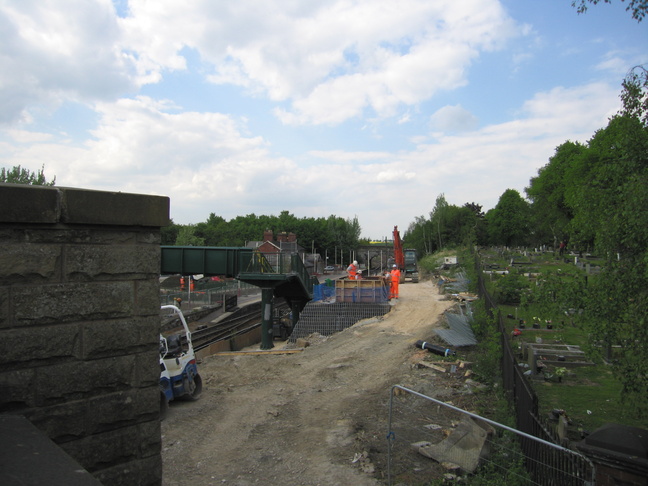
(301, 419)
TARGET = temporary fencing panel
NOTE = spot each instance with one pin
(428, 438)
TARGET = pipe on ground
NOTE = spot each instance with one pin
(440, 350)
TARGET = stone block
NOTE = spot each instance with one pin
(147, 368)
(149, 238)
(59, 303)
(114, 447)
(27, 261)
(143, 472)
(63, 422)
(4, 307)
(82, 206)
(18, 389)
(137, 405)
(111, 262)
(84, 379)
(151, 435)
(23, 203)
(115, 337)
(147, 297)
(39, 343)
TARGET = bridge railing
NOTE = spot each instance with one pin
(280, 263)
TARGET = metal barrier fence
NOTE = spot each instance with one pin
(429, 438)
(327, 319)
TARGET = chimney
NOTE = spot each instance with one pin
(267, 235)
(292, 238)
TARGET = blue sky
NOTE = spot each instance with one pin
(363, 108)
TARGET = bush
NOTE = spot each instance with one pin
(509, 289)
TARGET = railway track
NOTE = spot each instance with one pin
(241, 322)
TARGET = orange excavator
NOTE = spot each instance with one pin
(405, 259)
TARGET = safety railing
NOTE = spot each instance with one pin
(428, 438)
(289, 264)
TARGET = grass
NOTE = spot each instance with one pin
(589, 395)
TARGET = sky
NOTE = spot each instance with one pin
(353, 108)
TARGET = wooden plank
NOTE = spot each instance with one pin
(434, 367)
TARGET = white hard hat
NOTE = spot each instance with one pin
(394, 266)
(355, 262)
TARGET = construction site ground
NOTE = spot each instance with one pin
(307, 418)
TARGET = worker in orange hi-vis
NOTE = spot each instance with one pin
(352, 270)
(395, 280)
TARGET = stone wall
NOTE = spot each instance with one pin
(79, 324)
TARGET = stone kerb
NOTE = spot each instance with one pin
(79, 323)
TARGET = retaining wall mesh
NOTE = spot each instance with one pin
(327, 319)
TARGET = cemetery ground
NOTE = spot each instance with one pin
(577, 381)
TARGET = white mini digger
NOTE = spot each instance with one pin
(179, 378)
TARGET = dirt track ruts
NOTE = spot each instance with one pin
(299, 419)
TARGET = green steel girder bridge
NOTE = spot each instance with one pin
(278, 275)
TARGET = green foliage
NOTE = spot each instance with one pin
(595, 194)
(504, 465)
(616, 315)
(324, 235)
(550, 213)
(508, 221)
(509, 288)
(187, 237)
(489, 351)
(638, 8)
(169, 234)
(18, 175)
(558, 294)
(448, 226)
(633, 96)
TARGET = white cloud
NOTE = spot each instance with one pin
(52, 52)
(205, 164)
(25, 136)
(383, 73)
(453, 119)
(331, 60)
(394, 175)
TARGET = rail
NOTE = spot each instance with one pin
(270, 266)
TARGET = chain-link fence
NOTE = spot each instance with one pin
(428, 438)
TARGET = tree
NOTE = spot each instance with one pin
(438, 217)
(639, 8)
(18, 175)
(549, 211)
(597, 193)
(611, 206)
(635, 94)
(508, 221)
(186, 237)
(169, 234)
(419, 235)
(448, 226)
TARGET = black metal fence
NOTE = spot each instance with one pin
(559, 467)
